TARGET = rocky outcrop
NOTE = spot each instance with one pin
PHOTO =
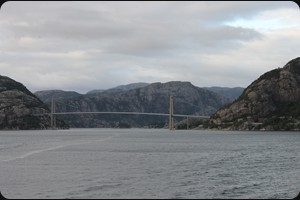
(153, 98)
(20, 109)
(272, 102)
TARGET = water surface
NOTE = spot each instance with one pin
(149, 163)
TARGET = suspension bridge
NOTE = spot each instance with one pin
(170, 114)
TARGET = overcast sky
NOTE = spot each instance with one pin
(82, 46)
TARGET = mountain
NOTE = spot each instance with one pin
(131, 86)
(96, 91)
(46, 95)
(120, 88)
(19, 108)
(272, 102)
(153, 98)
(231, 93)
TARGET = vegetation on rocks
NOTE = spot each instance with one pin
(270, 103)
(20, 109)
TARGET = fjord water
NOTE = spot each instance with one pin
(149, 163)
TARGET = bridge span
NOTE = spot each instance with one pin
(171, 114)
(131, 113)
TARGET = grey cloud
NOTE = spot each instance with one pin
(132, 35)
(232, 33)
(96, 43)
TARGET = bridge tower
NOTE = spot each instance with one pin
(171, 115)
(53, 120)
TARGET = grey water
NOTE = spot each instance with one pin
(149, 164)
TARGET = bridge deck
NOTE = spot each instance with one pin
(130, 113)
(126, 113)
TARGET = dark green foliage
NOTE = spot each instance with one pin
(294, 65)
(191, 123)
(156, 125)
(31, 121)
(287, 109)
(122, 125)
(273, 74)
(7, 83)
(280, 123)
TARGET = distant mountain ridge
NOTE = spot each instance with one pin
(153, 98)
(132, 86)
(232, 93)
(46, 95)
(119, 88)
(272, 102)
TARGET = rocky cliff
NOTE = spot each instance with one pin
(153, 98)
(272, 102)
(19, 108)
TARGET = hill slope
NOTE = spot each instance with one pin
(18, 107)
(272, 102)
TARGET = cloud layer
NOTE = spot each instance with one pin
(97, 45)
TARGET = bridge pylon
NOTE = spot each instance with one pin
(52, 116)
(171, 114)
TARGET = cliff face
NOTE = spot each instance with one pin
(154, 98)
(18, 107)
(272, 102)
